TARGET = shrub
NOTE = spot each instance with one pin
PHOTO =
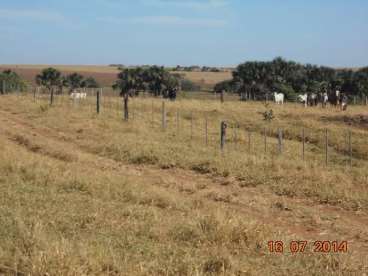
(188, 85)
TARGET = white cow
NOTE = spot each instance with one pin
(303, 99)
(338, 97)
(279, 98)
(324, 99)
(78, 95)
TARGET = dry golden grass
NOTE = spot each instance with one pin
(86, 194)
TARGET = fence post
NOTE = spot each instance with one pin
(326, 145)
(126, 110)
(52, 96)
(350, 149)
(223, 135)
(280, 141)
(98, 101)
(366, 100)
(355, 100)
(163, 115)
(34, 94)
(303, 138)
(206, 128)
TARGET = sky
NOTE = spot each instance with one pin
(183, 32)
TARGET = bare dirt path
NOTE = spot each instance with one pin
(298, 217)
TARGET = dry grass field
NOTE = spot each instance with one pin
(106, 75)
(87, 194)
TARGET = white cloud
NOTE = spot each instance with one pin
(37, 15)
(167, 20)
(194, 4)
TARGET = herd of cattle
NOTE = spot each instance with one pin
(337, 99)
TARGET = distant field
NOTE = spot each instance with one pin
(106, 75)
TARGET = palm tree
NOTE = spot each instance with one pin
(90, 83)
(74, 81)
(50, 78)
(127, 83)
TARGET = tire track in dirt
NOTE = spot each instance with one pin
(283, 214)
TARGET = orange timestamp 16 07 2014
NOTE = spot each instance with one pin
(296, 247)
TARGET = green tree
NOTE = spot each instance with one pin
(10, 81)
(49, 78)
(129, 80)
(74, 81)
(90, 82)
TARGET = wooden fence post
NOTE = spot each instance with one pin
(163, 115)
(3, 87)
(98, 95)
(126, 107)
(52, 96)
(326, 146)
(280, 141)
(222, 97)
(355, 100)
(223, 135)
(366, 100)
(34, 94)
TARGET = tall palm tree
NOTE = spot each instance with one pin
(127, 83)
(74, 81)
(50, 78)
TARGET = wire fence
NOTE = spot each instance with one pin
(318, 147)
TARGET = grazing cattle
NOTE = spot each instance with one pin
(279, 98)
(303, 99)
(338, 97)
(324, 99)
(77, 95)
(344, 102)
(313, 99)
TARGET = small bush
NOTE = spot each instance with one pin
(216, 265)
(188, 85)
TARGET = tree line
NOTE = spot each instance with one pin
(259, 79)
(51, 79)
(154, 79)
